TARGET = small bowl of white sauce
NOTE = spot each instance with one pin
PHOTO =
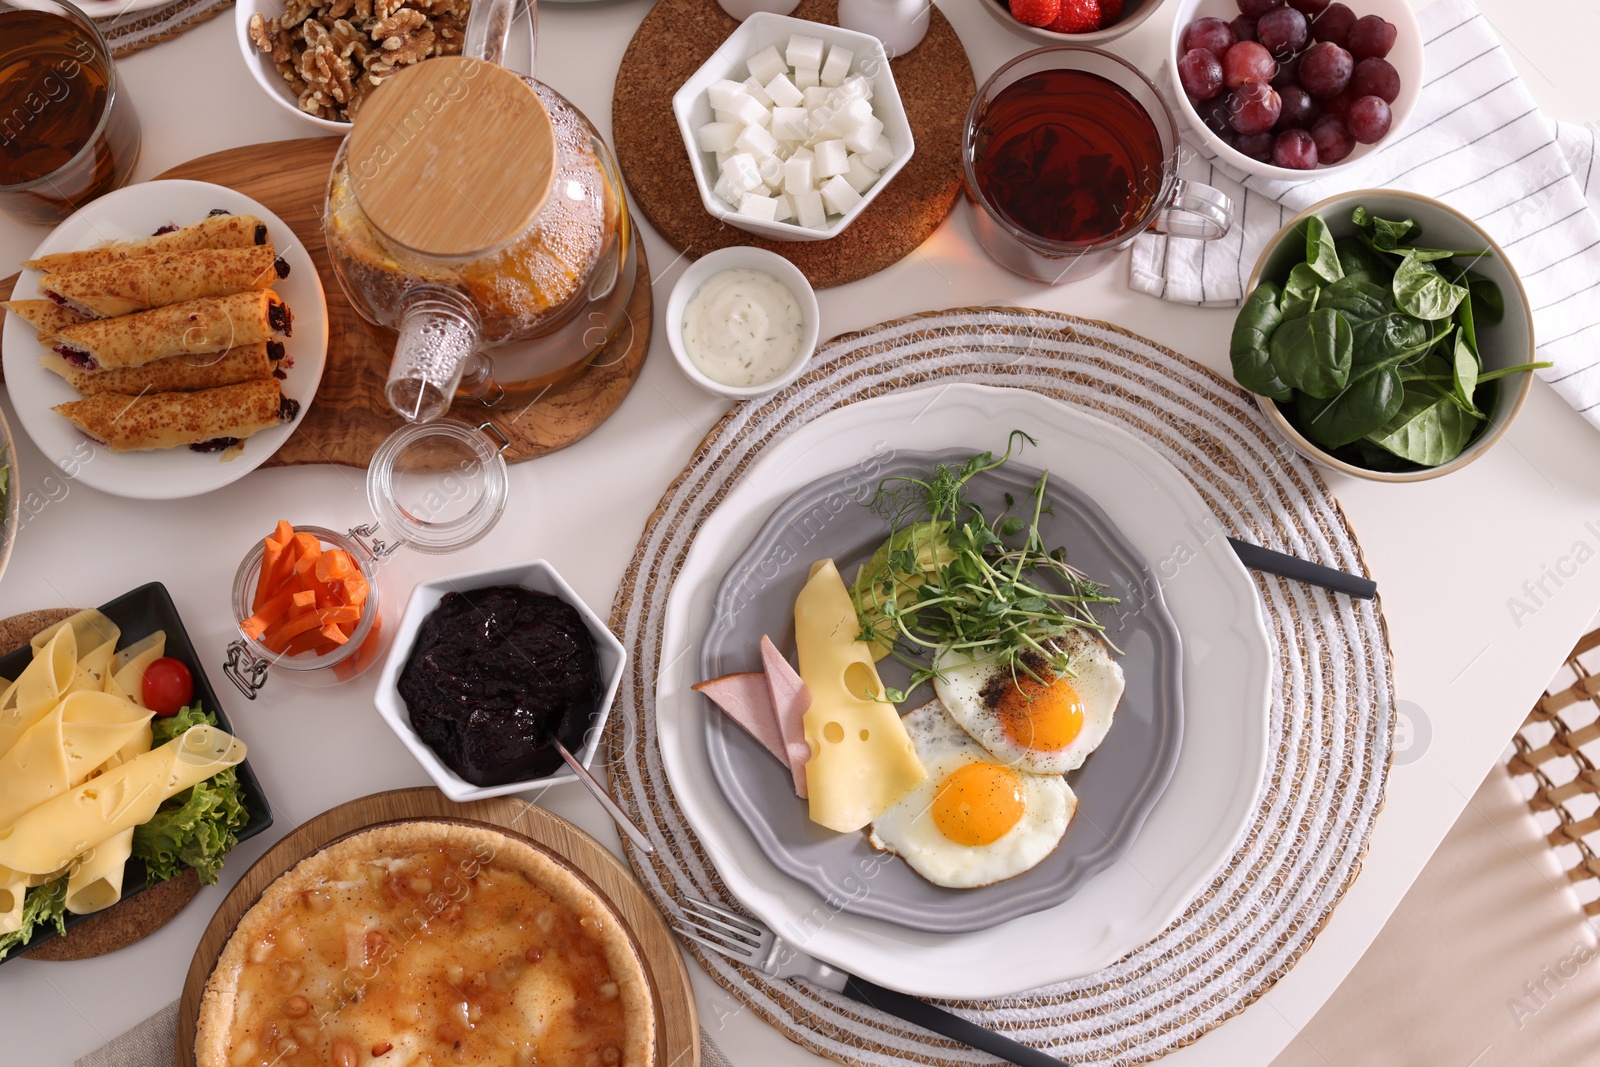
(742, 322)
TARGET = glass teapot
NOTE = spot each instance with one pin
(471, 207)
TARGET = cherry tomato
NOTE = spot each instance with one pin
(168, 686)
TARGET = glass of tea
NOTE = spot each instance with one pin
(68, 132)
(1070, 153)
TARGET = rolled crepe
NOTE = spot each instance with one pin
(191, 328)
(45, 316)
(170, 278)
(213, 417)
(52, 835)
(64, 748)
(175, 374)
(39, 688)
(214, 231)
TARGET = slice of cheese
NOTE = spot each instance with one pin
(862, 762)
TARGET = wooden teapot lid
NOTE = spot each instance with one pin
(452, 157)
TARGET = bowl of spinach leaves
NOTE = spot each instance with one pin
(1386, 336)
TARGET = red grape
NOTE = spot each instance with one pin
(1338, 105)
(1334, 25)
(1288, 73)
(1201, 74)
(1244, 28)
(1258, 146)
(1256, 8)
(1295, 150)
(1254, 107)
(1332, 139)
(1375, 77)
(1309, 8)
(1371, 37)
(1368, 119)
(1214, 113)
(1282, 32)
(1247, 61)
(1214, 35)
(1299, 110)
(1325, 69)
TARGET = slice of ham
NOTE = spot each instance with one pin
(790, 700)
(748, 702)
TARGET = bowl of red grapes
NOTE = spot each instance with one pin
(1289, 89)
(1071, 21)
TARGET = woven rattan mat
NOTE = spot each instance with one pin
(137, 30)
(1331, 721)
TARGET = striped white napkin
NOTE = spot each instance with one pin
(1475, 141)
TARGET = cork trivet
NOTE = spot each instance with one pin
(130, 920)
(677, 36)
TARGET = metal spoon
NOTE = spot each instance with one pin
(598, 791)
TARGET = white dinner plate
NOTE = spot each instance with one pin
(164, 474)
(1227, 668)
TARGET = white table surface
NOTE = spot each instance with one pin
(1447, 554)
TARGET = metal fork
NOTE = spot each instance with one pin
(750, 942)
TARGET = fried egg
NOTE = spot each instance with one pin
(1048, 724)
(971, 821)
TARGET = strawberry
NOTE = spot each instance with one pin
(1110, 11)
(1077, 16)
(1035, 12)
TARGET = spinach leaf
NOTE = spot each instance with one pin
(1357, 298)
(1420, 290)
(1321, 255)
(1429, 428)
(1384, 234)
(1300, 292)
(1368, 400)
(1356, 260)
(1312, 353)
(1466, 368)
(1490, 302)
(1258, 317)
(1390, 339)
(1468, 325)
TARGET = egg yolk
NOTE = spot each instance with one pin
(978, 803)
(1045, 716)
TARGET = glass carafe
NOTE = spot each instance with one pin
(476, 207)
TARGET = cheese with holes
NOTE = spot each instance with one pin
(862, 762)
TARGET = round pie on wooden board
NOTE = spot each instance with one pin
(428, 938)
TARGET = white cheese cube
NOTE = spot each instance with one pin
(802, 153)
(785, 210)
(766, 64)
(806, 79)
(864, 138)
(859, 175)
(789, 124)
(832, 158)
(759, 207)
(804, 53)
(837, 68)
(798, 176)
(771, 170)
(726, 116)
(815, 97)
(742, 171)
(728, 191)
(838, 196)
(852, 116)
(808, 210)
(751, 112)
(724, 95)
(758, 91)
(757, 141)
(717, 136)
(880, 155)
(764, 190)
(857, 87)
(782, 93)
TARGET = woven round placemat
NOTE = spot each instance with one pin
(677, 36)
(1331, 720)
(136, 30)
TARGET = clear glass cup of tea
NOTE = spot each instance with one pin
(1070, 153)
(68, 132)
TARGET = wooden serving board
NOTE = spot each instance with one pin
(677, 1026)
(350, 417)
(677, 36)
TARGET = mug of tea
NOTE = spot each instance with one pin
(68, 132)
(1070, 153)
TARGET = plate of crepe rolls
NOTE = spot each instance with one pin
(165, 340)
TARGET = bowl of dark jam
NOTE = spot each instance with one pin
(488, 669)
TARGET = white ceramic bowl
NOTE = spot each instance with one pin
(758, 31)
(1133, 13)
(541, 577)
(1405, 56)
(265, 72)
(1506, 343)
(11, 506)
(733, 258)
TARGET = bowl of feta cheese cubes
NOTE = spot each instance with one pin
(793, 127)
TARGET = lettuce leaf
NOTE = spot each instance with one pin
(197, 827)
(44, 904)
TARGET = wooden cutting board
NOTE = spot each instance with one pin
(677, 1026)
(350, 417)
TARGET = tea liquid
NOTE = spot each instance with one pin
(1068, 156)
(52, 93)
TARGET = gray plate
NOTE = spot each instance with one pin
(1116, 787)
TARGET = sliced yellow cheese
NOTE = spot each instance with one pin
(126, 675)
(96, 637)
(96, 880)
(862, 762)
(39, 688)
(13, 887)
(65, 747)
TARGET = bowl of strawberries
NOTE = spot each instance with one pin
(1076, 21)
